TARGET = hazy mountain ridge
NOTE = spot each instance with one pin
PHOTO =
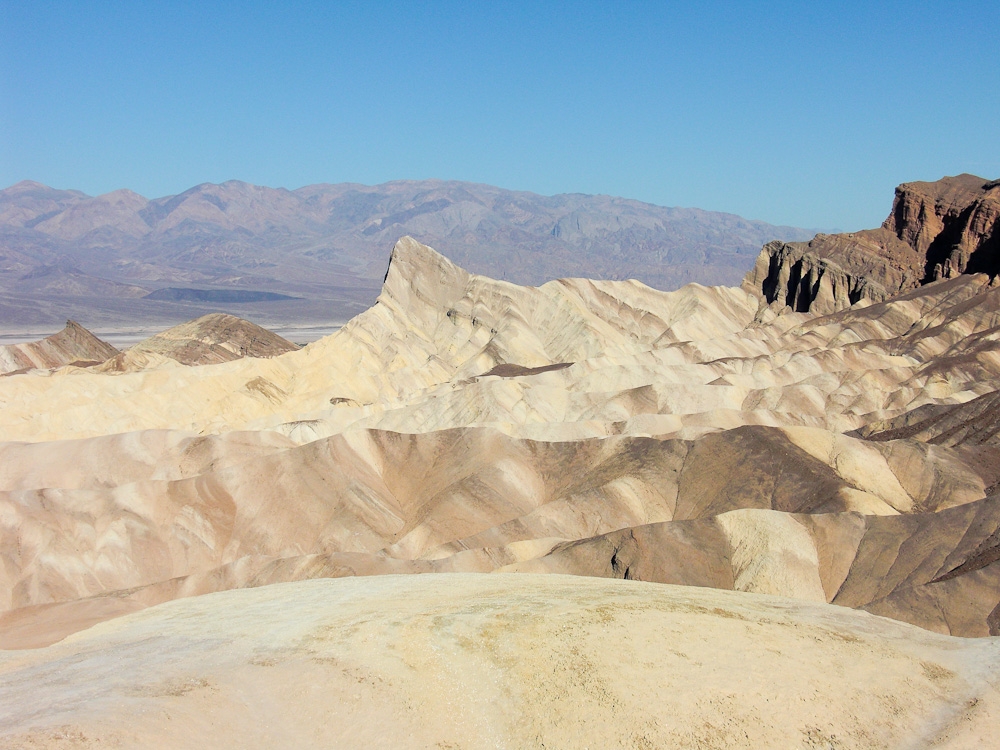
(327, 243)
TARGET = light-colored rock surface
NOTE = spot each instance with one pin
(975, 422)
(500, 661)
(645, 363)
(644, 423)
(251, 508)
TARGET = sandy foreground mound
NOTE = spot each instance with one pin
(507, 661)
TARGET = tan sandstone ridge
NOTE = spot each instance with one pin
(936, 230)
(464, 425)
(643, 362)
(74, 344)
(976, 422)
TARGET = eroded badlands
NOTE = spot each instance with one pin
(464, 426)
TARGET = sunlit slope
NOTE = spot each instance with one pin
(466, 424)
(156, 515)
(643, 362)
(73, 344)
(487, 661)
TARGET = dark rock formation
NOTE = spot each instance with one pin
(951, 223)
(936, 230)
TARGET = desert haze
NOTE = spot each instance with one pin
(764, 515)
(317, 254)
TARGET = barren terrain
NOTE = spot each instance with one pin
(693, 518)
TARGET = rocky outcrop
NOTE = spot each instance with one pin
(73, 344)
(207, 340)
(936, 230)
(951, 223)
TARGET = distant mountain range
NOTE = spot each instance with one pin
(66, 254)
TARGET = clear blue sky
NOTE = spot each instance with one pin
(801, 113)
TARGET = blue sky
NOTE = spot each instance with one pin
(799, 113)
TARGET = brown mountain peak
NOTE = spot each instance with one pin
(935, 230)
